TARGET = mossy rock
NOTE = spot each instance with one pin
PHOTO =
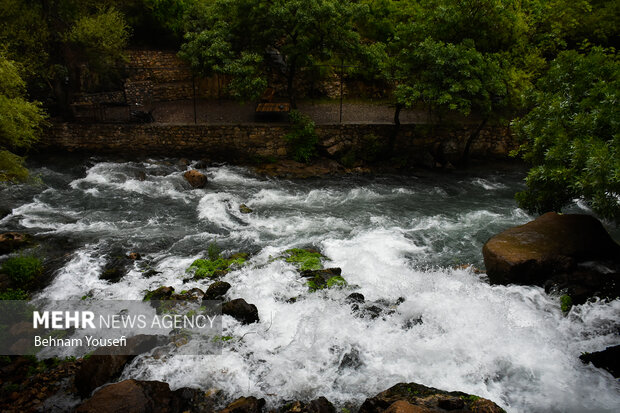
(206, 268)
(217, 290)
(321, 279)
(566, 303)
(304, 259)
(159, 294)
(408, 395)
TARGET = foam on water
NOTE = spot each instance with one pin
(392, 237)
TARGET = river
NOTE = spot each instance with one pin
(393, 236)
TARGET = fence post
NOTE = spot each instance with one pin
(194, 91)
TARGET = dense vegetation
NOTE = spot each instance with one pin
(551, 65)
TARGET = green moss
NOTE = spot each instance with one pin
(318, 283)
(222, 338)
(336, 281)
(566, 303)
(204, 268)
(304, 259)
(22, 270)
(11, 294)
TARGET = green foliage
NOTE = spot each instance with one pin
(20, 122)
(572, 135)
(22, 270)
(304, 259)
(204, 268)
(566, 302)
(245, 39)
(13, 294)
(336, 281)
(101, 36)
(302, 137)
(449, 76)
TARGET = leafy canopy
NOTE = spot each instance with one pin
(247, 39)
(572, 135)
(20, 122)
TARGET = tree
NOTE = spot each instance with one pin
(20, 122)
(246, 39)
(572, 135)
(55, 39)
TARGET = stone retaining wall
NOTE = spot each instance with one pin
(355, 144)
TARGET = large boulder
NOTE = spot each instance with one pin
(608, 359)
(196, 179)
(549, 246)
(133, 396)
(99, 369)
(416, 398)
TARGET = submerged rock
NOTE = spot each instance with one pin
(297, 170)
(244, 209)
(134, 256)
(196, 179)
(414, 398)
(551, 246)
(241, 311)
(608, 359)
(201, 164)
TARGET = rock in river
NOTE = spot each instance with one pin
(217, 290)
(416, 398)
(608, 359)
(550, 246)
(144, 396)
(240, 310)
(196, 179)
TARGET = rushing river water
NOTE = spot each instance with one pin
(392, 236)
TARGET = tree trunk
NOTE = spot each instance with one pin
(391, 143)
(290, 87)
(470, 140)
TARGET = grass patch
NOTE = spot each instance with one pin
(22, 270)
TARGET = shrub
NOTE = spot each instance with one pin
(22, 270)
(302, 137)
(11, 294)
